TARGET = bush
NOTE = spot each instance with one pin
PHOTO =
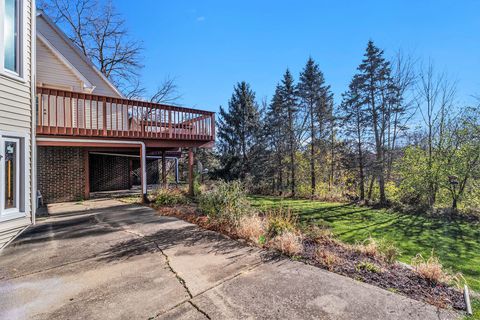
(319, 234)
(389, 251)
(368, 266)
(384, 249)
(226, 202)
(327, 258)
(170, 197)
(369, 247)
(280, 221)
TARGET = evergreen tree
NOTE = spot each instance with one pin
(239, 130)
(353, 117)
(276, 132)
(315, 97)
(376, 87)
(289, 107)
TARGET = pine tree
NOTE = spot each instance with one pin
(376, 87)
(276, 132)
(315, 97)
(239, 130)
(289, 106)
(353, 117)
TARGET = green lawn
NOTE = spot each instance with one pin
(456, 243)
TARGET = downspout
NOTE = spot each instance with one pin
(33, 82)
(142, 145)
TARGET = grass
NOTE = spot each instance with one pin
(456, 243)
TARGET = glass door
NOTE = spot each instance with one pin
(10, 175)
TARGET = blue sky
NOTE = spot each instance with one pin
(208, 46)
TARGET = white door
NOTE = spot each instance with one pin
(9, 178)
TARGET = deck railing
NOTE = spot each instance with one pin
(68, 113)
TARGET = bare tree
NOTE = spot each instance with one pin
(436, 95)
(400, 107)
(167, 92)
(101, 35)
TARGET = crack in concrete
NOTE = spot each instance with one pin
(198, 309)
(172, 270)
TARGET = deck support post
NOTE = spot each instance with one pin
(164, 170)
(190, 172)
(176, 171)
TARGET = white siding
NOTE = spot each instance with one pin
(51, 72)
(16, 117)
(101, 86)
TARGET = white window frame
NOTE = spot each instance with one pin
(17, 212)
(22, 54)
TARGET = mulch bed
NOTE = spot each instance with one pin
(396, 277)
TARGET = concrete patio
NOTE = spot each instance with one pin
(104, 259)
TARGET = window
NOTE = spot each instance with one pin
(12, 174)
(11, 36)
(11, 40)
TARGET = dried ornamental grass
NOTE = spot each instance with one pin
(251, 228)
(369, 248)
(327, 258)
(430, 269)
(288, 242)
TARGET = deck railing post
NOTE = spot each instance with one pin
(170, 124)
(104, 116)
(87, 114)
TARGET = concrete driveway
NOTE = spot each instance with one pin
(108, 260)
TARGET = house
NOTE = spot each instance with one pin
(17, 117)
(66, 130)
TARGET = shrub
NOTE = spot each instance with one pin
(369, 247)
(319, 234)
(368, 266)
(289, 243)
(280, 221)
(252, 228)
(430, 269)
(384, 249)
(327, 258)
(389, 251)
(226, 202)
(170, 197)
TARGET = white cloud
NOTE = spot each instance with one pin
(201, 19)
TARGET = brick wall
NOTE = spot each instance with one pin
(109, 173)
(61, 173)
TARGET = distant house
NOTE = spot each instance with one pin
(66, 130)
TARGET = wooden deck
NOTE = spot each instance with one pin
(73, 114)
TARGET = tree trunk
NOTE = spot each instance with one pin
(312, 163)
(292, 152)
(370, 188)
(332, 157)
(361, 173)
(454, 204)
